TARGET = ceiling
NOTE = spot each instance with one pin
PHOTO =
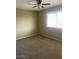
(23, 4)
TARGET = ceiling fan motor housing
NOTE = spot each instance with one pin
(39, 1)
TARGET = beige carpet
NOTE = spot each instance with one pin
(38, 47)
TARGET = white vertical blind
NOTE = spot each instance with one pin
(54, 19)
(51, 20)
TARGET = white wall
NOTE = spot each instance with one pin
(49, 32)
(26, 23)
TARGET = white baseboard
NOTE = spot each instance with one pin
(51, 38)
(24, 36)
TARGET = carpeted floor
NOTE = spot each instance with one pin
(38, 47)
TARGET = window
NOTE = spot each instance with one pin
(54, 20)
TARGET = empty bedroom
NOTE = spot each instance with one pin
(38, 29)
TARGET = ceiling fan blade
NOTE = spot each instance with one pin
(46, 4)
(34, 6)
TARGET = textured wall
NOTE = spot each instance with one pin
(49, 32)
(26, 23)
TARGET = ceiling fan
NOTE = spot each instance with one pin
(39, 4)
